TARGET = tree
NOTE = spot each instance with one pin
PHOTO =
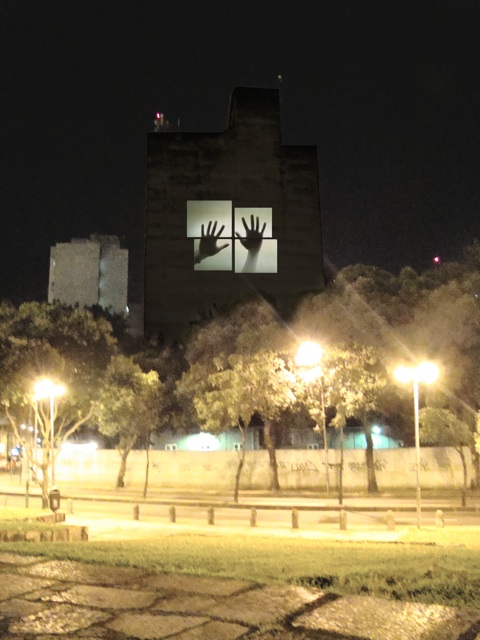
(68, 346)
(441, 428)
(128, 409)
(353, 380)
(241, 386)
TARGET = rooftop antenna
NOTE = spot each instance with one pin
(160, 124)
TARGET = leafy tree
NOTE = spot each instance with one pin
(241, 386)
(441, 428)
(129, 408)
(68, 346)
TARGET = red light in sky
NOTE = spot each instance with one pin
(437, 260)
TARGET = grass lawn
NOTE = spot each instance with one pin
(438, 566)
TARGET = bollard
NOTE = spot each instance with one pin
(136, 512)
(294, 518)
(172, 514)
(439, 519)
(253, 517)
(70, 505)
(390, 520)
(211, 515)
(343, 519)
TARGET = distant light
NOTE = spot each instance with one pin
(376, 429)
(436, 260)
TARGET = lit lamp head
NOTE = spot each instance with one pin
(426, 372)
(309, 354)
(47, 389)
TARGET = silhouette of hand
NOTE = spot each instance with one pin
(253, 241)
(208, 242)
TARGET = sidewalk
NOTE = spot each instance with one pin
(65, 599)
(9, 484)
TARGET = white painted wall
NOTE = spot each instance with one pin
(298, 469)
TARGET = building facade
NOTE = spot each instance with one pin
(89, 272)
(229, 215)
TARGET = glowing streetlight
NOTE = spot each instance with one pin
(45, 388)
(308, 358)
(426, 372)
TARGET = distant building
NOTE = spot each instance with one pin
(89, 272)
(229, 215)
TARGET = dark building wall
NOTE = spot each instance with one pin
(247, 165)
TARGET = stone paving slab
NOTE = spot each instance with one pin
(105, 597)
(61, 619)
(378, 619)
(214, 631)
(192, 584)
(184, 602)
(20, 608)
(16, 585)
(264, 606)
(147, 626)
(72, 571)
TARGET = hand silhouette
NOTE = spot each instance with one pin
(252, 243)
(208, 242)
(254, 238)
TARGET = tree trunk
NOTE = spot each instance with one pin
(147, 468)
(371, 477)
(120, 484)
(475, 482)
(241, 462)
(267, 432)
(45, 485)
(340, 470)
(464, 487)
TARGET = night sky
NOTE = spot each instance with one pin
(388, 91)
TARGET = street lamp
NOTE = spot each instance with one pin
(426, 372)
(308, 359)
(45, 388)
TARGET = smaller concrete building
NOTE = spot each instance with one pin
(89, 272)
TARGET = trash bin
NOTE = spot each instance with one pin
(54, 498)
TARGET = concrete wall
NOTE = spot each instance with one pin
(89, 272)
(74, 270)
(298, 469)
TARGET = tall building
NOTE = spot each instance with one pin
(89, 272)
(229, 214)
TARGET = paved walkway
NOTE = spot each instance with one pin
(51, 599)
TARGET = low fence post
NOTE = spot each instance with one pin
(211, 515)
(343, 519)
(172, 513)
(136, 512)
(294, 518)
(390, 520)
(439, 519)
(253, 517)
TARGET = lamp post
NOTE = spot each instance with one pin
(308, 358)
(45, 388)
(426, 372)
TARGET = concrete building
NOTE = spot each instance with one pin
(89, 272)
(229, 215)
